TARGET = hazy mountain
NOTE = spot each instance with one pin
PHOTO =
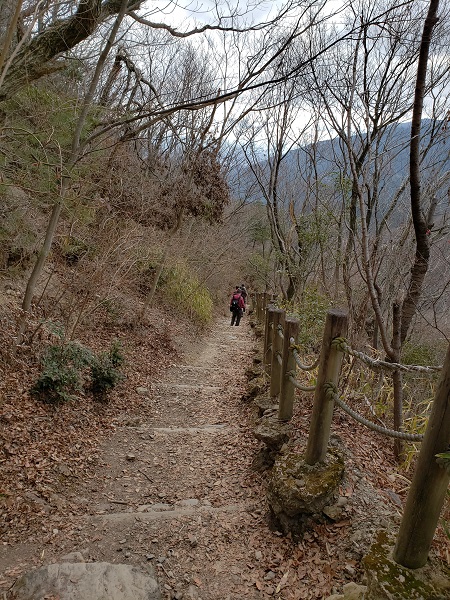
(390, 164)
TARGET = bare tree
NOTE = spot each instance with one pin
(373, 94)
(65, 171)
(276, 128)
(421, 222)
(62, 27)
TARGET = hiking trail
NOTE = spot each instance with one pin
(173, 487)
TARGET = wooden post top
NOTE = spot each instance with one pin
(291, 320)
(337, 312)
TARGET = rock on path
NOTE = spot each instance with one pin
(87, 581)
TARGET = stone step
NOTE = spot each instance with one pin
(219, 428)
(190, 386)
(163, 513)
(195, 367)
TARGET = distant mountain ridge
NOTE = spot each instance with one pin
(392, 162)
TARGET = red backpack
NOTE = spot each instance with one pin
(234, 306)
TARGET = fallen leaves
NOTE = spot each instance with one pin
(55, 475)
(44, 449)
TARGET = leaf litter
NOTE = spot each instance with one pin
(189, 501)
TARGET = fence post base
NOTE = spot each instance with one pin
(388, 579)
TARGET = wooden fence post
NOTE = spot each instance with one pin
(287, 393)
(265, 304)
(429, 484)
(268, 339)
(329, 369)
(258, 306)
(277, 348)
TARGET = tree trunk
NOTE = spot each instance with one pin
(36, 58)
(38, 267)
(397, 378)
(376, 328)
(73, 156)
(9, 34)
(422, 255)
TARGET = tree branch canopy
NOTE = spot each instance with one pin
(39, 54)
(37, 57)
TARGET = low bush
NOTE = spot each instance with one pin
(68, 369)
(62, 372)
(105, 373)
(184, 292)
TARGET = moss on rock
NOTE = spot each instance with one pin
(387, 580)
(297, 492)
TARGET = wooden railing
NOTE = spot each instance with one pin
(281, 360)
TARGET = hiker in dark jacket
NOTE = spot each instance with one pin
(237, 306)
(244, 293)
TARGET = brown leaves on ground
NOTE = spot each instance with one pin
(82, 477)
(46, 448)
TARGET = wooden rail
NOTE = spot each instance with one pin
(430, 481)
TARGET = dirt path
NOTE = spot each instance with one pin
(177, 489)
(174, 487)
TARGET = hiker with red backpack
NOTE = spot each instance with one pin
(237, 306)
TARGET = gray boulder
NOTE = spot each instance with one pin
(298, 492)
(272, 432)
(87, 581)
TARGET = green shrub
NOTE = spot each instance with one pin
(61, 375)
(105, 374)
(66, 369)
